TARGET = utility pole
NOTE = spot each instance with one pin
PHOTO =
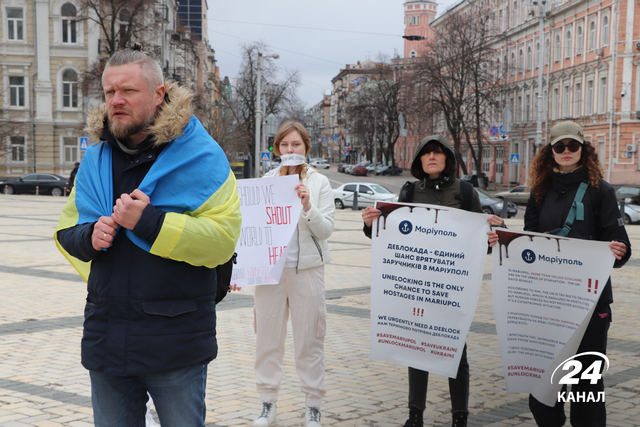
(258, 111)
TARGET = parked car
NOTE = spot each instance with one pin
(372, 167)
(518, 195)
(47, 183)
(631, 213)
(630, 194)
(341, 167)
(368, 194)
(320, 164)
(493, 206)
(390, 170)
(361, 169)
(349, 169)
(473, 179)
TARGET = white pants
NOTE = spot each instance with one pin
(302, 294)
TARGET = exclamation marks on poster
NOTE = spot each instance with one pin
(418, 312)
(595, 287)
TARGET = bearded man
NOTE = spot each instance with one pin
(153, 211)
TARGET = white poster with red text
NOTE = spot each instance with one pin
(427, 264)
(545, 288)
(270, 210)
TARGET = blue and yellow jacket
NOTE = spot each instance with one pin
(151, 296)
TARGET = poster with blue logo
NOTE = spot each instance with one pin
(427, 264)
(544, 291)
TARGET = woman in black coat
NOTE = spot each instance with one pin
(556, 173)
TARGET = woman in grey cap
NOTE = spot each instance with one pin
(434, 166)
(565, 167)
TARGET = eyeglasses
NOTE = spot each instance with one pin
(573, 146)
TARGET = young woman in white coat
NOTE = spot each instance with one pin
(300, 292)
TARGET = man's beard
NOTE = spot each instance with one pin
(123, 131)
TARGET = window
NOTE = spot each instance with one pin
(17, 149)
(527, 108)
(592, 35)
(412, 54)
(506, 27)
(499, 21)
(15, 23)
(519, 110)
(499, 159)
(603, 95)
(556, 54)
(515, 13)
(577, 98)
(486, 159)
(565, 102)
(513, 61)
(70, 89)
(605, 31)
(568, 45)
(528, 58)
(579, 40)
(69, 32)
(16, 91)
(547, 51)
(537, 58)
(556, 100)
(520, 62)
(589, 105)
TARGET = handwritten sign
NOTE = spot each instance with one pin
(270, 210)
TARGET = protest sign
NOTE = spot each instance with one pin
(544, 291)
(426, 270)
(270, 210)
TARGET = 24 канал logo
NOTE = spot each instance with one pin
(592, 373)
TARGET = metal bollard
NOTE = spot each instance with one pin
(622, 203)
(37, 190)
(505, 208)
(355, 201)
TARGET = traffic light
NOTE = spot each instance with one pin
(363, 153)
(270, 142)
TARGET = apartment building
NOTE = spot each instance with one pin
(589, 74)
(45, 47)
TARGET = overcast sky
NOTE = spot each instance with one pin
(318, 37)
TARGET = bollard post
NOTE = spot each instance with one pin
(37, 190)
(622, 214)
(505, 208)
(355, 201)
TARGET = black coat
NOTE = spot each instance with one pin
(602, 220)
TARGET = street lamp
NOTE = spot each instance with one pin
(258, 111)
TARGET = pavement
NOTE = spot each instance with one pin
(42, 382)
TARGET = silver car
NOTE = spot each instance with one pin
(368, 194)
(518, 195)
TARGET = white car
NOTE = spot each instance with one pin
(631, 213)
(368, 194)
(518, 195)
(320, 164)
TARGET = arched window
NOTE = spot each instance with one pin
(70, 89)
(513, 63)
(537, 58)
(605, 31)
(69, 30)
(579, 40)
(568, 45)
(547, 52)
(557, 48)
(412, 54)
(592, 35)
(528, 58)
(125, 16)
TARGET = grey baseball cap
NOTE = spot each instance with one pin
(565, 130)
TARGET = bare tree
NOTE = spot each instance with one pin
(458, 74)
(378, 103)
(279, 96)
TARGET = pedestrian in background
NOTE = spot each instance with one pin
(565, 173)
(155, 210)
(434, 166)
(72, 176)
(300, 291)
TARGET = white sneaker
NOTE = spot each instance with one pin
(268, 416)
(312, 417)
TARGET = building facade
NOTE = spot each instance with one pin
(45, 47)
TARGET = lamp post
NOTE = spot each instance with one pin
(258, 111)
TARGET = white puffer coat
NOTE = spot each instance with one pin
(315, 226)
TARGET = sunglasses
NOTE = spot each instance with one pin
(573, 146)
